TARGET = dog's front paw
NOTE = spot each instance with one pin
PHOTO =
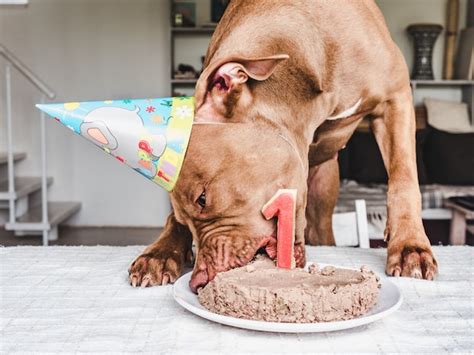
(156, 267)
(411, 255)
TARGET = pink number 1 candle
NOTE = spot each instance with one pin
(283, 206)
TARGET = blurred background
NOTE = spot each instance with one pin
(113, 49)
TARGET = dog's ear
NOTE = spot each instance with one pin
(223, 85)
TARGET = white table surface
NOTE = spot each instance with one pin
(77, 299)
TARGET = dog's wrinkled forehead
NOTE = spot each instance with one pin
(253, 150)
(222, 144)
(270, 133)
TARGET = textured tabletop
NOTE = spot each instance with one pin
(77, 299)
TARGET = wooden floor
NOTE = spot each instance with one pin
(88, 236)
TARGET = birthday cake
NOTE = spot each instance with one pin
(261, 291)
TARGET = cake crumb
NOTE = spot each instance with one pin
(313, 269)
(328, 270)
(367, 273)
(250, 268)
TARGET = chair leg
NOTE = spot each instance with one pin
(362, 227)
(45, 238)
(457, 232)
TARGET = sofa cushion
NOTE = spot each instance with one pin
(449, 157)
(366, 163)
(344, 167)
(448, 116)
(365, 160)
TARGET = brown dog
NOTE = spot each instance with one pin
(290, 79)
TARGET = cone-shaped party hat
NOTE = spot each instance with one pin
(149, 135)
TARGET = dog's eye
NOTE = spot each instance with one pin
(201, 201)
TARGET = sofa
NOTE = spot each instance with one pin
(445, 164)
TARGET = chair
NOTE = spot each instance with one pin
(351, 228)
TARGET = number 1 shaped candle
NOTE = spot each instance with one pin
(283, 206)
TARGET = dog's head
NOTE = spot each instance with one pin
(230, 171)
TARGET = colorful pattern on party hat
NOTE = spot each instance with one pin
(149, 135)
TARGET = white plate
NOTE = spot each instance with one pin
(389, 301)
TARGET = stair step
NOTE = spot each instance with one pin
(16, 157)
(23, 186)
(58, 212)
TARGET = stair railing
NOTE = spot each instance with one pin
(13, 61)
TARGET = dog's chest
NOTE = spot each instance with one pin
(331, 137)
(346, 113)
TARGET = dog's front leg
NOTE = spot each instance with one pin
(323, 191)
(163, 261)
(409, 250)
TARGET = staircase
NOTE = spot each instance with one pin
(26, 198)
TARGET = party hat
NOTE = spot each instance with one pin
(149, 135)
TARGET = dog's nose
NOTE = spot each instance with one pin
(198, 279)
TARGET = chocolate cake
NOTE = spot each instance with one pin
(261, 291)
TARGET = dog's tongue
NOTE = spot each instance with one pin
(198, 279)
(271, 248)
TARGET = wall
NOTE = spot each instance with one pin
(88, 50)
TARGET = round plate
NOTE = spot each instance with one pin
(389, 301)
